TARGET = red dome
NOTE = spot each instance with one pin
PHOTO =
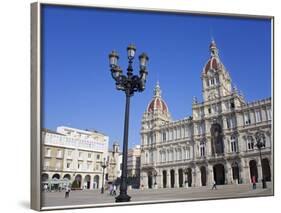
(157, 104)
(213, 63)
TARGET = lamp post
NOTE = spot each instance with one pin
(260, 144)
(103, 165)
(129, 83)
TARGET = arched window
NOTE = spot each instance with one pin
(202, 149)
(146, 157)
(164, 136)
(180, 154)
(163, 156)
(233, 143)
(150, 157)
(250, 143)
(171, 155)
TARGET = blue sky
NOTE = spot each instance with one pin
(78, 90)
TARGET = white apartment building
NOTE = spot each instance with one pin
(73, 155)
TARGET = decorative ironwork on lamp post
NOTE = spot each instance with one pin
(129, 83)
(261, 144)
(103, 165)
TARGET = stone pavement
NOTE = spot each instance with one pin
(94, 197)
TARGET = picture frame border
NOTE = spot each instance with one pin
(36, 101)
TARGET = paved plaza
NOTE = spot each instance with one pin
(94, 197)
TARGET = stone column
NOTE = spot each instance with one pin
(176, 178)
(228, 173)
(245, 171)
(209, 147)
(168, 179)
(210, 175)
(198, 176)
(159, 179)
(259, 171)
(193, 173)
(144, 180)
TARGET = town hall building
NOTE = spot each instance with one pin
(217, 143)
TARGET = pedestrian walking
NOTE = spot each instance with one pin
(45, 187)
(214, 185)
(67, 192)
(114, 190)
(110, 190)
(254, 182)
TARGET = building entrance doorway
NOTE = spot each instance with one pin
(266, 169)
(180, 178)
(219, 174)
(203, 176)
(253, 170)
(150, 180)
(164, 179)
(172, 172)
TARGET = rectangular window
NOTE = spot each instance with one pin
(58, 164)
(47, 164)
(202, 151)
(59, 153)
(247, 119)
(48, 152)
(69, 153)
(79, 166)
(209, 110)
(232, 105)
(98, 156)
(164, 136)
(89, 155)
(268, 112)
(258, 116)
(80, 154)
(250, 142)
(68, 164)
(228, 123)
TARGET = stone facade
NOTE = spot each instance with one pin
(217, 143)
(114, 161)
(133, 166)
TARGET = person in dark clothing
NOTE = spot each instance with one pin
(254, 182)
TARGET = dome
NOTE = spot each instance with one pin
(157, 103)
(213, 63)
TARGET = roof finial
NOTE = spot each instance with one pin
(157, 90)
(213, 49)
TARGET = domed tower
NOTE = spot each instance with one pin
(157, 112)
(155, 115)
(215, 78)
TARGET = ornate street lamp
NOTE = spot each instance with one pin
(103, 165)
(129, 84)
(260, 144)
